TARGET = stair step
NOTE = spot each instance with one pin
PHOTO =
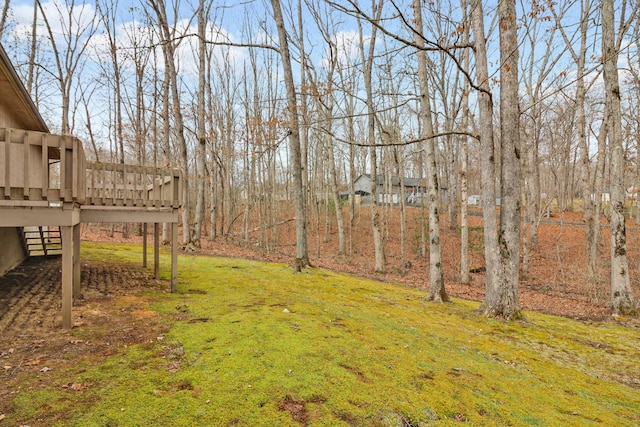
(41, 241)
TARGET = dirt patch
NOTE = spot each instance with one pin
(109, 316)
(297, 408)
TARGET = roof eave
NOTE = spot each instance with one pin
(24, 96)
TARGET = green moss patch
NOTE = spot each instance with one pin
(254, 344)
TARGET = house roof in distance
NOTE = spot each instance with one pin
(395, 181)
(15, 100)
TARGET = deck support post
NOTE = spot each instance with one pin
(156, 250)
(144, 245)
(76, 261)
(174, 257)
(67, 274)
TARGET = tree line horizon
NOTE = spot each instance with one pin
(249, 100)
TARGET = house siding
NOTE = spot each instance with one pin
(12, 253)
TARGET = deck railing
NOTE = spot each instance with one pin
(40, 167)
(113, 184)
(43, 169)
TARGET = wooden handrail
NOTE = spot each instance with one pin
(28, 157)
(42, 167)
(117, 184)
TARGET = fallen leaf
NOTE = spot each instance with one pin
(77, 386)
(45, 369)
(7, 367)
(33, 362)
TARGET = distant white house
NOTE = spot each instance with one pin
(388, 189)
(475, 200)
(605, 197)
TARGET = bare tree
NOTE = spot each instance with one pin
(367, 64)
(107, 15)
(348, 80)
(302, 252)
(3, 16)
(79, 24)
(169, 43)
(488, 160)
(464, 158)
(635, 113)
(621, 293)
(537, 65)
(201, 131)
(504, 302)
(325, 97)
(578, 53)
(437, 291)
(139, 56)
(86, 97)
(33, 47)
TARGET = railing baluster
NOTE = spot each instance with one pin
(45, 166)
(63, 166)
(26, 147)
(7, 164)
(156, 187)
(135, 188)
(74, 170)
(151, 186)
(145, 188)
(104, 184)
(114, 171)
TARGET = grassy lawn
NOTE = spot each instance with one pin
(253, 344)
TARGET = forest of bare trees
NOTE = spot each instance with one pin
(273, 109)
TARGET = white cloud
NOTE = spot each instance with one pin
(347, 44)
(63, 19)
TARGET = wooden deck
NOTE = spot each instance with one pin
(45, 180)
(40, 167)
(46, 170)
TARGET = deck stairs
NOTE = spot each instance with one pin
(43, 241)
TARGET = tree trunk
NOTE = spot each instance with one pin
(302, 254)
(504, 301)
(488, 167)
(621, 294)
(464, 159)
(594, 227)
(376, 226)
(34, 46)
(342, 247)
(452, 184)
(3, 16)
(437, 292)
(168, 48)
(166, 138)
(200, 129)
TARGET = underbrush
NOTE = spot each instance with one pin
(254, 344)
